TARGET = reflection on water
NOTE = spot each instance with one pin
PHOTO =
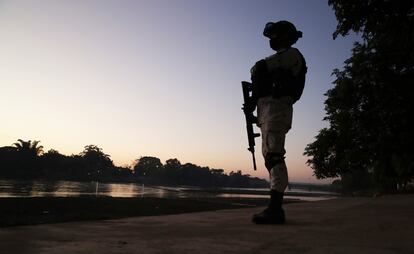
(9, 188)
(231, 195)
(303, 198)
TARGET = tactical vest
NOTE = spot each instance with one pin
(278, 82)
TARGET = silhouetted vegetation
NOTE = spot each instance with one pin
(369, 142)
(151, 170)
(26, 160)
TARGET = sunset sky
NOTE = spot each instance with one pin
(156, 78)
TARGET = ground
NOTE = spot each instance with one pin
(344, 225)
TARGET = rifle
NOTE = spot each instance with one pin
(248, 105)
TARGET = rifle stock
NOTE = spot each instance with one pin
(250, 118)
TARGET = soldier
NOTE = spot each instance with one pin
(278, 82)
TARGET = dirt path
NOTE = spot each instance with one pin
(345, 225)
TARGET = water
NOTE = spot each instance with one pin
(11, 188)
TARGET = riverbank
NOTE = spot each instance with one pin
(381, 225)
(41, 210)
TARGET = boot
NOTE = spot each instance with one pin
(273, 214)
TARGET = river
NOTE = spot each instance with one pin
(12, 188)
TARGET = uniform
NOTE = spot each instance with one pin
(274, 116)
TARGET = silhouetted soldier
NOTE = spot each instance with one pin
(278, 82)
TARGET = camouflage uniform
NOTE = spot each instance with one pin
(274, 116)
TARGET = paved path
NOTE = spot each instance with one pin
(346, 225)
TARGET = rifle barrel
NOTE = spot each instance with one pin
(254, 161)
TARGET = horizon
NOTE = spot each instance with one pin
(131, 166)
(156, 78)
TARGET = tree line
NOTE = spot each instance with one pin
(27, 160)
(369, 142)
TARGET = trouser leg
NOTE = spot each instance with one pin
(273, 143)
(278, 177)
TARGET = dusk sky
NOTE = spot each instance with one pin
(156, 78)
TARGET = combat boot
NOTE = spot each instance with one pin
(273, 214)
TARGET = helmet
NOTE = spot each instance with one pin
(282, 27)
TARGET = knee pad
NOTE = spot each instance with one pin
(273, 159)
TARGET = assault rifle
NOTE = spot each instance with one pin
(248, 108)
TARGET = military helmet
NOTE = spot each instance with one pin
(282, 27)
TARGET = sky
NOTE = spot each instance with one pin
(156, 77)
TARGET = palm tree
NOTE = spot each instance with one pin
(29, 147)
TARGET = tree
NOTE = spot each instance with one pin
(27, 163)
(8, 160)
(98, 164)
(29, 147)
(147, 166)
(53, 164)
(219, 178)
(237, 179)
(172, 163)
(369, 138)
(172, 171)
